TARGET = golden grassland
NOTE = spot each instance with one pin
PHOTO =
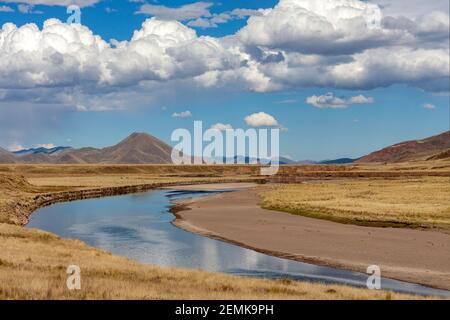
(33, 263)
(422, 202)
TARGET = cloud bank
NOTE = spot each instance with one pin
(342, 44)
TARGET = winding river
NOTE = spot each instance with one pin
(138, 226)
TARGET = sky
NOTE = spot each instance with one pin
(342, 78)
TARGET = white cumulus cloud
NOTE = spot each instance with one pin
(261, 119)
(13, 147)
(413, 9)
(347, 44)
(46, 145)
(6, 9)
(27, 9)
(329, 100)
(221, 126)
(360, 99)
(73, 62)
(323, 27)
(183, 114)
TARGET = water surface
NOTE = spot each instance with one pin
(138, 226)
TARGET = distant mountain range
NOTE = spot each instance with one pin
(336, 161)
(284, 160)
(41, 150)
(142, 148)
(138, 148)
(248, 160)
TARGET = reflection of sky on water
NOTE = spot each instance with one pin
(138, 226)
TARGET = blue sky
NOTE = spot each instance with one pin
(120, 22)
(379, 99)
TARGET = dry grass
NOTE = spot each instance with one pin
(405, 202)
(40, 170)
(33, 266)
(442, 165)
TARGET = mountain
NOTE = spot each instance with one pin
(436, 147)
(137, 148)
(7, 157)
(83, 155)
(284, 160)
(306, 162)
(35, 158)
(41, 150)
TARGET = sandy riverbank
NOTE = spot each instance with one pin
(404, 254)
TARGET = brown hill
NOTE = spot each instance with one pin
(138, 148)
(436, 147)
(35, 158)
(69, 158)
(6, 156)
(83, 155)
